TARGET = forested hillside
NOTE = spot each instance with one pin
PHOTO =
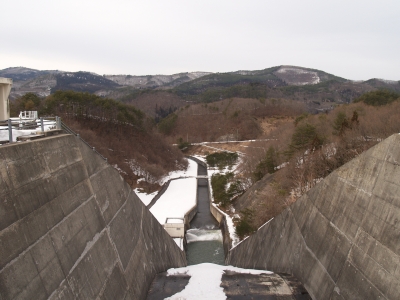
(301, 153)
(120, 132)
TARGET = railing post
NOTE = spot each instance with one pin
(10, 137)
(59, 123)
(41, 124)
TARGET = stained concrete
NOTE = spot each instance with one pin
(71, 228)
(236, 286)
(164, 286)
(342, 238)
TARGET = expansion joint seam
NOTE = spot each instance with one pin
(308, 249)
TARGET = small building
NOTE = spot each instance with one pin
(175, 227)
(5, 89)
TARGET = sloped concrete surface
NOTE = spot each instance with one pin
(71, 228)
(236, 286)
(342, 238)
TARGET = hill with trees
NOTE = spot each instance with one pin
(297, 155)
(318, 90)
(120, 132)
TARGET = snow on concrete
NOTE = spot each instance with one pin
(4, 134)
(179, 242)
(191, 171)
(174, 221)
(177, 200)
(205, 281)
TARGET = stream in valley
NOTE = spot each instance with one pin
(204, 238)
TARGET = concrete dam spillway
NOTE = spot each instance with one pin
(71, 228)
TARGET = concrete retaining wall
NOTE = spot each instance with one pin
(71, 228)
(341, 239)
(189, 217)
(223, 226)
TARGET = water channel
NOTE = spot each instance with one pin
(204, 238)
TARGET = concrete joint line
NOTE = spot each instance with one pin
(118, 262)
(370, 257)
(352, 185)
(118, 211)
(105, 166)
(42, 237)
(308, 249)
(88, 246)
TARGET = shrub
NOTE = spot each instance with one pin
(378, 98)
(182, 145)
(221, 159)
(218, 183)
(245, 227)
(167, 124)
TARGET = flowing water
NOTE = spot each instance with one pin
(204, 245)
(204, 239)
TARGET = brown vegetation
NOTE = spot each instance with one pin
(136, 153)
(226, 120)
(154, 101)
(342, 134)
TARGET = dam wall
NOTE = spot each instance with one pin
(342, 238)
(71, 228)
(223, 226)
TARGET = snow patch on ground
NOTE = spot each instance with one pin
(179, 242)
(205, 281)
(293, 71)
(191, 171)
(178, 199)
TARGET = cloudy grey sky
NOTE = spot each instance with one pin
(355, 39)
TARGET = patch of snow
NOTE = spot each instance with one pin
(174, 221)
(205, 281)
(265, 224)
(298, 71)
(178, 199)
(231, 226)
(179, 242)
(119, 169)
(191, 171)
(4, 134)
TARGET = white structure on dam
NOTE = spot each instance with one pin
(5, 88)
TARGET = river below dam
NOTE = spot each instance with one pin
(204, 238)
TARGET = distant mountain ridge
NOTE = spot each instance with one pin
(318, 89)
(43, 82)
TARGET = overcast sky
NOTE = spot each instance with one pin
(354, 39)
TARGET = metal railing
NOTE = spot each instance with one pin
(21, 125)
(59, 125)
